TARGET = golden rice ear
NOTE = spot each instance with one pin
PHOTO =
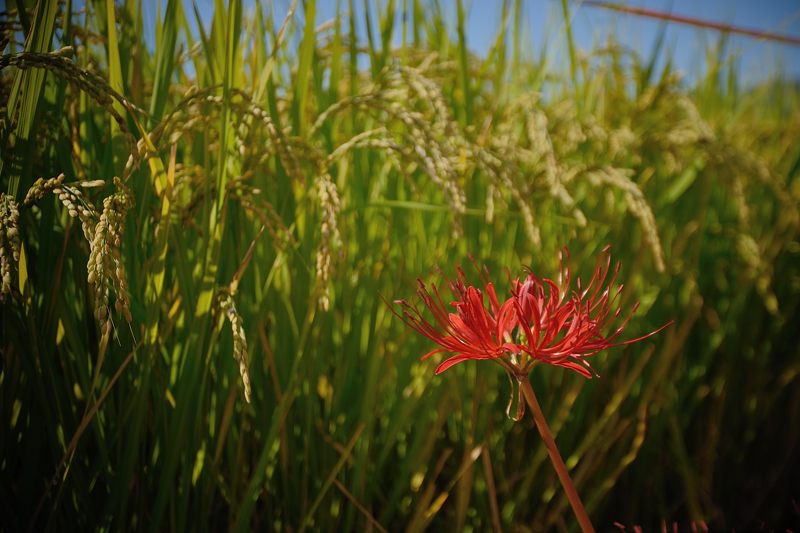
(227, 306)
(9, 242)
(105, 267)
(330, 239)
(40, 188)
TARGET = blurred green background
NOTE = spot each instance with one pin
(277, 179)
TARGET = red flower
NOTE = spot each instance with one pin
(542, 321)
(562, 328)
(472, 332)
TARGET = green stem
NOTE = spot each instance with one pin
(555, 456)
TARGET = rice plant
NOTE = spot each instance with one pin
(197, 236)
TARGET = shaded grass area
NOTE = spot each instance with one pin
(269, 193)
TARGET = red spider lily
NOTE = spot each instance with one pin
(542, 321)
(562, 329)
(472, 332)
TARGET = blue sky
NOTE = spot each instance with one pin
(687, 45)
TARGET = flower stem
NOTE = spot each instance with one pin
(555, 456)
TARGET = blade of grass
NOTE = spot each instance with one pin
(23, 100)
(463, 63)
(326, 485)
(306, 55)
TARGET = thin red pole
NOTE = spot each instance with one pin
(692, 21)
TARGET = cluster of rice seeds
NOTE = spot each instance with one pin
(758, 269)
(678, 128)
(447, 152)
(269, 218)
(199, 110)
(429, 140)
(227, 306)
(528, 150)
(686, 131)
(498, 171)
(690, 128)
(186, 118)
(454, 143)
(283, 147)
(376, 138)
(401, 157)
(78, 207)
(104, 234)
(360, 101)
(636, 203)
(329, 236)
(436, 159)
(252, 200)
(757, 254)
(513, 163)
(743, 166)
(92, 84)
(9, 241)
(541, 149)
(739, 170)
(426, 90)
(41, 188)
(188, 192)
(105, 267)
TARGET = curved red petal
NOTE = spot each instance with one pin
(452, 361)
